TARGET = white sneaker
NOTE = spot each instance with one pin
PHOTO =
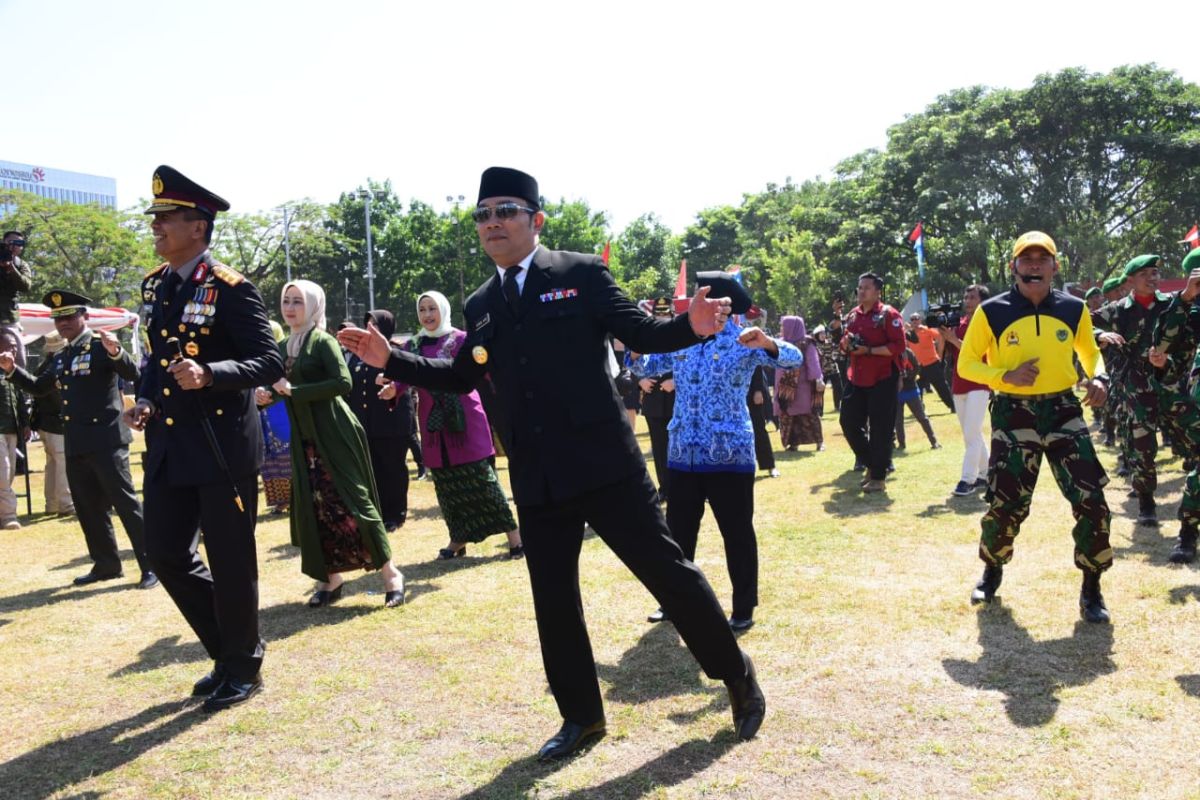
(11, 524)
(774, 473)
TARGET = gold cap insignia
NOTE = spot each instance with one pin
(480, 354)
(56, 299)
(156, 186)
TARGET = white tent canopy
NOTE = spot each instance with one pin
(36, 322)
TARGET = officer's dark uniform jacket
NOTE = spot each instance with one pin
(567, 432)
(85, 376)
(220, 322)
(379, 418)
(656, 403)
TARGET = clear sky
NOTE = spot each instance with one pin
(668, 107)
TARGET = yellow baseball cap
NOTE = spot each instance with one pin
(1034, 239)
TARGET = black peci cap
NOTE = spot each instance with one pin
(508, 182)
(723, 285)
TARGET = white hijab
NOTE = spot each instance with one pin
(443, 310)
(314, 313)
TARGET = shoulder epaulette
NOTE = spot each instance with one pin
(227, 274)
(161, 268)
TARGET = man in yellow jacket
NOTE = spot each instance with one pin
(1029, 336)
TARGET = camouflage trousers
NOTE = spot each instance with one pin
(1023, 430)
(1137, 429)
(1180, 415)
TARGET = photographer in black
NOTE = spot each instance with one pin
(15, 277)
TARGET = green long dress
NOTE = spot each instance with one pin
(320, 417)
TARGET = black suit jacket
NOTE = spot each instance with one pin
(86, 378)
(220, 321)
(566, 429)
(379, 418)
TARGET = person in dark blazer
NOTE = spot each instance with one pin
(658, 406)
(541, 331)
(387, 424)
(210, 346)
(85, 374)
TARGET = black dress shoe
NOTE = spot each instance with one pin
(739, 624)
(747, 702)
(571, 737)
(985, 590)
(209, 683)
(95, 577)
(149, 580)
(324, 597)
(446, 553)
(516, 553)
(232, 692)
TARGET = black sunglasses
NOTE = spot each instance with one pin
(15, 243)
(502, 210)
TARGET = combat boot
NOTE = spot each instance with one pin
(1184, 551)
(1091, 602)
(985, 590)
(1147, 510)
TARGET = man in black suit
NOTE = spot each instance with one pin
(539, 326)
(85, 373)
(210, 346)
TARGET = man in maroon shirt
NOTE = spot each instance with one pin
(874, 340)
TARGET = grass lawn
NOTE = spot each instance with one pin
(881, 679)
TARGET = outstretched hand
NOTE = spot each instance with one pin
(708, 315)
(370, 345)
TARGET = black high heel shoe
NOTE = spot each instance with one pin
(325, 597)
(394, 597)
(446, 553)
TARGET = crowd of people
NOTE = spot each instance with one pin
(552, 366)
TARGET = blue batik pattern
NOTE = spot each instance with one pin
(711, 430)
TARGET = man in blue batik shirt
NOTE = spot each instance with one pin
(711, 447)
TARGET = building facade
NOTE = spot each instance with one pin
(59, 184)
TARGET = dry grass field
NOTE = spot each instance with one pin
(882, 681)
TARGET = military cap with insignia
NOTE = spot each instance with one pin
(663, 307)
(723, 285)
(1138, 264)
(174, 191)
(65, 304)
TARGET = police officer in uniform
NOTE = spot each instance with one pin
(86, 374)
(540, 327)
(210, 346)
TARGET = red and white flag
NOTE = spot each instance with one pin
(1193, 237)
(681, 282)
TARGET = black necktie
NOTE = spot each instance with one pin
(170, 287)
(512, 292)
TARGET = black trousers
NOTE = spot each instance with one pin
(839, 383)
(917, 407)
(934, 375)
(100, 481)
(875, 405)
(219, 601)
(658, 450)
(389, 456)
(625, 515)
(763, 454)
(731, 496)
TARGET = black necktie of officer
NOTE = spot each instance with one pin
(512, 292)
(171, 287)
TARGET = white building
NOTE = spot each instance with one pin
(59, 184)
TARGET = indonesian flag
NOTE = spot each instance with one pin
(917, 237)
(1193, 237)
(607, 252)
(681, 282)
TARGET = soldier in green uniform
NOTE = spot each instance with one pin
(1127, 327)
(86, 375)
(1175, 341)
(1022, 343)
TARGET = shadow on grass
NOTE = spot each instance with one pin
(54, 767)
(40, 598)
(521, 778)
(659, 665)
(1028, 672)
(1154, 543)
(1182, 594)
(970, 505)
(846, 498)
(276, 623)
(1189, 684)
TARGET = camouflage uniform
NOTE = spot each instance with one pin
(1137, 386)
(1177, 334)
(1022, 431)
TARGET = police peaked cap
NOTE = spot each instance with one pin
(173, 191)
(723, 285)
(1138, 264)
(508, 182)
(64, 304)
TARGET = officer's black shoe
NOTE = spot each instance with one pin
(1184, 551)
(658, 615)
(985, 590)
(209, 683)
(747, 702)
(96, 577)
(232, 692)
(1091, 602)
(1108, 440)
(1147, 510)
(149, 580)
(570, 738)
